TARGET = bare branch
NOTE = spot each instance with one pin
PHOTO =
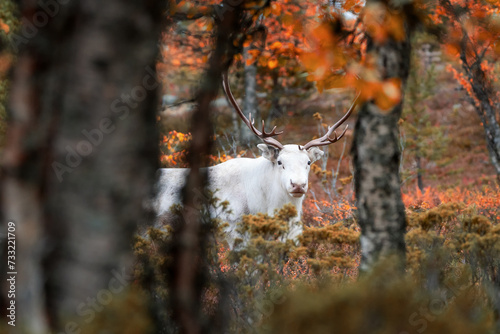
(176, 104)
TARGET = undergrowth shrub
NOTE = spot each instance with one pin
(274, 285)
(381, 302)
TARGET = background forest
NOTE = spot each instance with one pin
(427, 120)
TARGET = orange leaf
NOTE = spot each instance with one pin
(276, 45)
(395, 26)
(5, 64)
(348, 4)
(4, 26)
(287, 20)
(275, 9)
(254, 53)
(310, 60)
(334, 82)
(452, 49)
(389, 95)
(272, 63)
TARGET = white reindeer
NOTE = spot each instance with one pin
(265, 184)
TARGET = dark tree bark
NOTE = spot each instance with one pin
(420, 179)
(189, 271)
(276, 110)
(376, 156)
(483, 92)
(81, 151)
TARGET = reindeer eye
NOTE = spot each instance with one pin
(279, 163)
(309, 162)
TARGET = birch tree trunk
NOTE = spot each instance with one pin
(376, 155)
(81, 153)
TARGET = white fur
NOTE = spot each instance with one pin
(249, 185)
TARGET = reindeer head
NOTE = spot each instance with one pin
(292, 164)
(292, 161)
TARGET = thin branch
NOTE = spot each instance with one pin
(483, 52)
(176, 104)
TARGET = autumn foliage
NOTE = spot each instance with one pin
(452, 238)
(312, 53)
(452, 235)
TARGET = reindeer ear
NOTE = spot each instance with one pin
(269, 152)
(315, 153)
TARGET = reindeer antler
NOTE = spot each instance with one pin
(265, 136)
(326, 140)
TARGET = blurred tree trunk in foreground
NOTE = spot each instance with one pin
(376, 154)
(80, 155)
(189, 273)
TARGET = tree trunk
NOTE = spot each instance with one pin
(482, 90)
(420, 181)
(250, 102)
(81, 153)
(376, 155)
(189, 270)
(484, 94)
(275, 111)
(492, 133)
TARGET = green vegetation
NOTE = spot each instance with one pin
(424, 140)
